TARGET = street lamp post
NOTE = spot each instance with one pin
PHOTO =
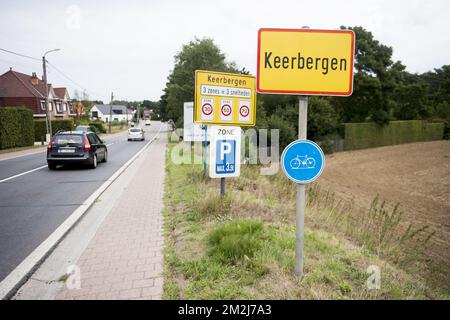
(110, 111)
(48, 123)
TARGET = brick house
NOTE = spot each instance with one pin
(22, 90)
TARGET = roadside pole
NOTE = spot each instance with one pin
(47, 117)
(222, 187)
(110, 111)
(301, 194)
(48, 122)
(205, 145)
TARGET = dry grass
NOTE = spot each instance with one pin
(335, 267)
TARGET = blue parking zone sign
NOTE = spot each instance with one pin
(302, 161)
(225, 151)
(225, 156)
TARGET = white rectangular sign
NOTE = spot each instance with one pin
(226, 91)
(225, 152)
(192, 132)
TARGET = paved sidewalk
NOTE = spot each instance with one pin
(29, 151)
(124, 258)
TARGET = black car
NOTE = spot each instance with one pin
(77, 147)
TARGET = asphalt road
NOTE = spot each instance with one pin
(34, 204)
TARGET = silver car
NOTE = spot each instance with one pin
(136, 134)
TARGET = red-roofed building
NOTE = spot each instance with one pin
(22, 90)
(63, 103)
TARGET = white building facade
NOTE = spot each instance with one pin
(104, 112)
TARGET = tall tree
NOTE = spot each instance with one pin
(411, 102)
(199, 54)
(376, 77)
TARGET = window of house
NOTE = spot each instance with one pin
(64, 106)
(58, 106)
(43, 105)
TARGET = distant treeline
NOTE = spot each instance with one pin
(383, 91)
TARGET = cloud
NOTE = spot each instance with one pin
(128, 46)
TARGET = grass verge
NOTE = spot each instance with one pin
(242, 246)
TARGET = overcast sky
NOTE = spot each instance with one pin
(128, 46)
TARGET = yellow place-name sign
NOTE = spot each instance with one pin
(305, 61)
(224, 99)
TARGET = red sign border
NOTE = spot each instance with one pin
(241, 112)
(319, 93)
(221, 108)
(212, 109)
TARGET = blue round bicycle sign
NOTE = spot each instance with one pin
(302, 161)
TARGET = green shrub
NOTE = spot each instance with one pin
(446, 125)
(27, 127)
(97, 126)
(40, 129)
(326, 146)
(16, 127)
(234, 241)
(447, 131)
(370, 135)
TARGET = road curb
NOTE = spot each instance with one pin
(20, 274)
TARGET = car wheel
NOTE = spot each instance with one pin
(105, 159)
(52, 166)
(94, 162)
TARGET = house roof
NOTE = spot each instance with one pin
(61, 92)
(116, 109)
(16, 84)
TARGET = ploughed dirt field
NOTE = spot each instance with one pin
(417, 175)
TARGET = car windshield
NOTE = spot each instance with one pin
(135, 130)
(68, 139)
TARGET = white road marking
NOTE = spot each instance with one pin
(110, 144)
(16, 277)
(23, 173)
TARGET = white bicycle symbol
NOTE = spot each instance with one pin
(302, 162)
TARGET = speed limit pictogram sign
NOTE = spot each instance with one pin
(207, 109)
(226, 110)
(244, 110)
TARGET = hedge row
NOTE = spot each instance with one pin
(97, 127)
(16, 127)
(40, 129)
(370, 135)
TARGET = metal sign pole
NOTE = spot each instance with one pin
(204, 151)
(300, 214)
(222, 186)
